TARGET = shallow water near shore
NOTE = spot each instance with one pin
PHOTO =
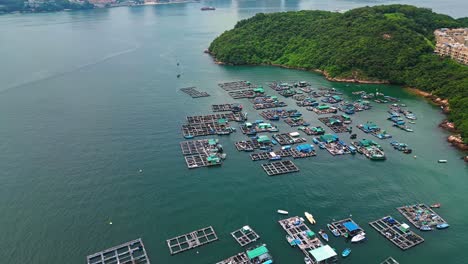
(87, 99)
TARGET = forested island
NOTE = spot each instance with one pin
(390, 43)
(8, 6)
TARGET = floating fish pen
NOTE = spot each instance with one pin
(397, 233)
(245, 235)
(221, 118)
(130, 252)
(265, 102)
(254, 128)
(251, 145)
(191, 240)
(299, 234)
(370, 149)
(307, 102)
(202, 153)
(336, 123)
(199, 146)
(280, 86)
(422, 217)
(243, 94)
(239, 258)
(234, 107)
(312, 131)
(197, 130)
(237, 85)
(280, 167)
(280, 113)
(296, 121)
(287, 93)
(281, 154)
(202, 160)
(194, 93)
(389, 260)
(323, 109)
(332, 144)
(347, 227)
(299, 97)
(289, 138)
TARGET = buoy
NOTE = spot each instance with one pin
(197, 252)
(140, 170)
(414, 156)
(110, 223)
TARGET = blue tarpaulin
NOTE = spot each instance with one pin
(350, 226)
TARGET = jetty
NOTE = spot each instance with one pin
(337, 123)
(191, 240)
(288, 138)
(194, 93)
(245, 235)
(397, 233)
(421, 215)
(280, 167)
(306, 240)
(130, 252)
(389, 260)
(347, 227)
(236, 85)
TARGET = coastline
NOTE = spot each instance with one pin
(455, 139)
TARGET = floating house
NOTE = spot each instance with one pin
(329, 138)
(260, 255)
(305, 148)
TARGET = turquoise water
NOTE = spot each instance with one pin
(87, 99)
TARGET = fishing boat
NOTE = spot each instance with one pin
(310, 218)
(358, 238)
(442, 161)
(283, 212)
(323, 235)
(436, 205)
(188, 136)
(334, 231)
(346, 252)
(442, 226)
(425, 228)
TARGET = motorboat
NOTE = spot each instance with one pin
(358, 238)
(283, 212)
(425, 228)
(436, 205)
(334, 231)
(346, 252)
(323, 235)
(442, 226)
(310, 218)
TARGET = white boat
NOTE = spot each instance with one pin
(310, 218)
(442, 161)
(358, 238)
(283, 212)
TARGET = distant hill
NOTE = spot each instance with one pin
(393, 43)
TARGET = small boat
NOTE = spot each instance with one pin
(358, 238)
(334, 231)
(442, 226)
(436, 205)
(425, 228)
(346, 252)
(309, 217)
(274, 142)
(207, 8)
(323, 235)
(283, 212)
(442, 161)
(178, 75)
(307, 260)
(188, 136)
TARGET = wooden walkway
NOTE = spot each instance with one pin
(280, 167)
(191, 240)
(392, 232)
(421, 214)
(132, 252)
(194, 93)
(245, 235)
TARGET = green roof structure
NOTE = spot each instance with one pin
(322, 253)
(257, 252)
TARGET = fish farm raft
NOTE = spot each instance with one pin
(130, 252)
(191, 240)
(245, 235)
(422, 217)
(194, 93)
(280, 167)
(397, 233)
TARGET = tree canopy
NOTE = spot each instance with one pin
(389, 42)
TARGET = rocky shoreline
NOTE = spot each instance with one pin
(456, 140)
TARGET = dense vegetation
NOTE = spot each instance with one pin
(393, 43)
(7, 6)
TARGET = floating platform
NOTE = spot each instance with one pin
(226, 107)
(191, 240)
(389, 260)
(336, 123)
(251, 145)
(239, 258)
(215, 118)
(237, 85)
(130, 252)
(202, 160)
(421, 215)
(280, 167)
(206, 129)
(339, 225)
(287, 139)
(242, 94)
(265, 102)
(245, 235)
(194, 93)
(194, 147)
(282, 153)
(393, 231)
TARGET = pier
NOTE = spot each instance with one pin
(421, 215)
(130, 252)
(245, 235)
(191, 240)
(397, 233)
(194, 93)
(280, 167)
(237, 85)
